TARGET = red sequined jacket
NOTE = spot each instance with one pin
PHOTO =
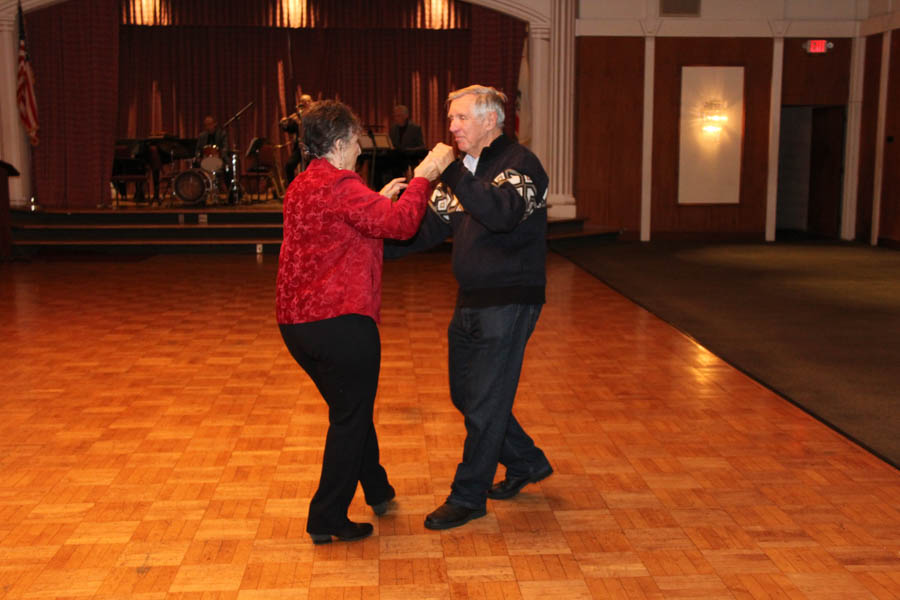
(332, 253)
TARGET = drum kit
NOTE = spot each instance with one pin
(211, 176)
(214, 170)
(202, 184)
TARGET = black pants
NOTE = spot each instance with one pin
(293, 164)
(343, 356)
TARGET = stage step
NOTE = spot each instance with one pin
(151, 227)
(249, 225)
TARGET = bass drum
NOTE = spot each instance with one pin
(192, 187)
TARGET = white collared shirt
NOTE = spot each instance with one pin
(470, 162)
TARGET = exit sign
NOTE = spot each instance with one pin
(818, 46)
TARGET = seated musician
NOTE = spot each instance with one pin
(293, 125)
(213, 154)
(409, 145)
(211, 135)
(406, 136)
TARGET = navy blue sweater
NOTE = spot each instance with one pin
(498, 220)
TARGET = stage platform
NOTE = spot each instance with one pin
(256, 226)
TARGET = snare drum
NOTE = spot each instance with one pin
(192, 186)
(211, 159)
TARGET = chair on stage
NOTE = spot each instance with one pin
(162, 176)
(127, 169)
(262, 170)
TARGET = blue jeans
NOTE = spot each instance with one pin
(487, 346)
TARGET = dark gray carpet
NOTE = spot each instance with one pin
(817, 322)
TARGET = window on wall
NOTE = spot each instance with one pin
(679, 8)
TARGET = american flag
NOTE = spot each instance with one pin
(25, 86)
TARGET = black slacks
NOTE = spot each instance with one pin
(342, 356)
(293, 164)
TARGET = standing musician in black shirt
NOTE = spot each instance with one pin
(293, 125)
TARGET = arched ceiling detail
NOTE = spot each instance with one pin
(536, 13)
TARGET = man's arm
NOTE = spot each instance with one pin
(501, 204)
(432, 232)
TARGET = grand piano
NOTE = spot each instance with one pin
(133, 158)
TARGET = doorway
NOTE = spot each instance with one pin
(810, 171)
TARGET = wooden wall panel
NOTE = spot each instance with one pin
(609, 88)
(868, 130)
(748, 216)
(816, 79)
(890, 191)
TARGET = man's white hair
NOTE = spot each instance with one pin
(487, 99)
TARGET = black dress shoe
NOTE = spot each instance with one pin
(450, 515)
(348, 533)
(510, 486)
(381, 508)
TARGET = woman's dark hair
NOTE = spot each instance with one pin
(324, 123)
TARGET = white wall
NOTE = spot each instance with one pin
(740, 9)
(612, 9)
(743, 18)
(882, 7)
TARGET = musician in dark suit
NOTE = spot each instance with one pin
(408, 143)
(212, 135)
(212, 153)
(293, 125)
(406, 136)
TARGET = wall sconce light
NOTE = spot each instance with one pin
(714, 117)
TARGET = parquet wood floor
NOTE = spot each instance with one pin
(157, 441)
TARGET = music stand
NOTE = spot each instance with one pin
(254, 147)
(365, 143)
(383, 141)
(374, 143)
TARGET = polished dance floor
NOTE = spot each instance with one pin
(157, 441)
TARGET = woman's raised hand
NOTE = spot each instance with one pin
(394, 187)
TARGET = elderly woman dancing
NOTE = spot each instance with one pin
(329, 299)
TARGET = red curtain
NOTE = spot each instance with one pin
(171, 77)
(497, 42)
(164, 79)
(75, 50)
(376, 70)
